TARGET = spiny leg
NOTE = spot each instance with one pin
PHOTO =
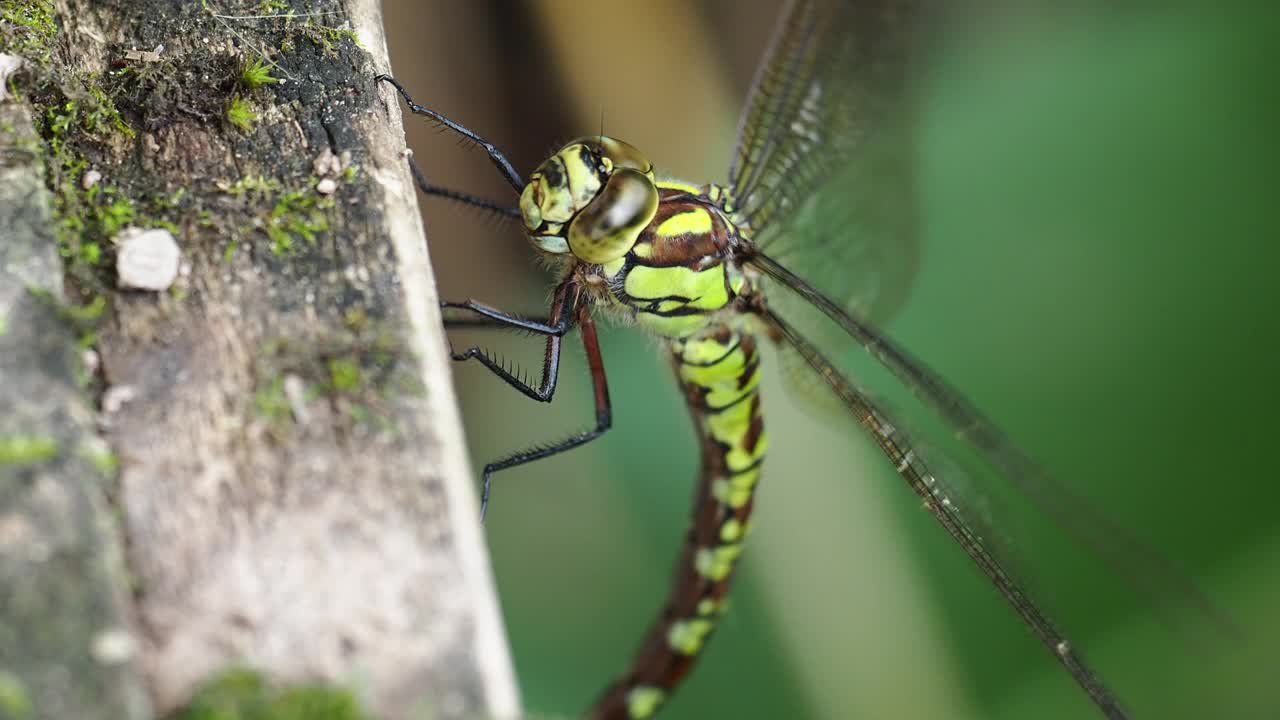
(566, 310)
(491, 317)
(481, 323)
(495, 155)
(428, 188)
(559, 323)
(604, 413)
(554, 329)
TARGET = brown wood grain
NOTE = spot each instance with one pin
(293, 491)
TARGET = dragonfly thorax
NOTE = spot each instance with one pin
(591, 198)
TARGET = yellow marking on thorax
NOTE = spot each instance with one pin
(705, 287)
(696, 221)
(676, 326)
(680, 185)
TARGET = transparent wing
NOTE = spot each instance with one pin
(830, 107)
(822, 180)
(965, 528)
(1150, 573)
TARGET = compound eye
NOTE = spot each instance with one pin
(607, 227)
(624, 155)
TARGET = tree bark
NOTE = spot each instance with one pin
(64, 632)
(292, 493)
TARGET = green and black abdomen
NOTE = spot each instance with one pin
(675, 282)
(719, 371)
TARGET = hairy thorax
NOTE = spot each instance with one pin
(680, 274)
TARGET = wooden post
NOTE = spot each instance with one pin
(290, 485)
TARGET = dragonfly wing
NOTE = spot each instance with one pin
(1150, 573)
(830, 107)
(822, 178)
(965, 528)
(950, 480)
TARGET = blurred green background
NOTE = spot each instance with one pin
(1098, 203)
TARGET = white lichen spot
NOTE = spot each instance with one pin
(147, 259)
(326, 164)
(90, 178)
(9, 64)
(1063, 648)
(113, 646)
(295, 391)
(116, 397)
(326, 186)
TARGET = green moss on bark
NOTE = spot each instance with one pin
(245, 695)
(26, 449)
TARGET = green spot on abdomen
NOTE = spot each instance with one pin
(643, 701)
(686, 636)
(716, 563)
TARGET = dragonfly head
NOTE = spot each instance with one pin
(591, 198)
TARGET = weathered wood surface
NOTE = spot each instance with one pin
(292, 493)
(64, 645)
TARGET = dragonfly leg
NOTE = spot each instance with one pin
(495, 155)
(480, 323)
(554, 330)
(494, 318)
(604, 414)
(428, 188)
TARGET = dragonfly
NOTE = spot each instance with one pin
(716, 270)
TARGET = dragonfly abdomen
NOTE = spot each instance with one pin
(719, 371)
